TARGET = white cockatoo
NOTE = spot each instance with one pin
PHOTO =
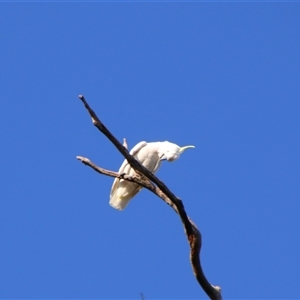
(150, 155)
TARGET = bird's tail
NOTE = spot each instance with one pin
(124, 192)
(118, 203)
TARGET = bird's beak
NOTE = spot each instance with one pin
(184, 148)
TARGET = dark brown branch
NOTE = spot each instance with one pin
(143, 178)
(137, 166)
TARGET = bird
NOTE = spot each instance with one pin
(150, 155)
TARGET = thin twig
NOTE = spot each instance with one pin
(143, 178)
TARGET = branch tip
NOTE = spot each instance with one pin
(83, 159)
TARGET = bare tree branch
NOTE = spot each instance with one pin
(141, 180)
(144, 178)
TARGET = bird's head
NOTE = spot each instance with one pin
(170, 152)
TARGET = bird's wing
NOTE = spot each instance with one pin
(156, 167)
(126, 168)
(137, 148)
(149, 156)
(133, 152)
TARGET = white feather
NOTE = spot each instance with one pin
(150, 156)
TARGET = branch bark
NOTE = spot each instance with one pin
(146, 179)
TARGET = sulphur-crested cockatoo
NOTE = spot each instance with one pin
(150, 155)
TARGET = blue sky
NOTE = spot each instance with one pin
(221, 76)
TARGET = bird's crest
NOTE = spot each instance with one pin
(185, 147)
